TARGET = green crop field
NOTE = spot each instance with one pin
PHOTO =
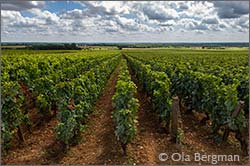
(76, 87)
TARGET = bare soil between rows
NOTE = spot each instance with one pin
(35, 147)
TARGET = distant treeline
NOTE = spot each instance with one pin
(47, 46)
(53, 46)
(74, 46)
(151, 45)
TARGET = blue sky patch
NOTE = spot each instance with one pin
(60, 6)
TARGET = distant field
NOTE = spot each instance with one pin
(12, 47)
(191, 48)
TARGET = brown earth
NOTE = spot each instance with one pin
(35, 146)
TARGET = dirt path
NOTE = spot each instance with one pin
(99, 145)
(149, 140)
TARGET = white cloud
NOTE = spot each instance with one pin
(10, 15)
(114, 20)
(50, 18)
(158, 12)
(106, 7)
(75, 14)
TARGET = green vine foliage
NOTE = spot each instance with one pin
(52, 79)
(126, 106)
(157, 84)
(77, 97)
(211, 86)
(12, 116)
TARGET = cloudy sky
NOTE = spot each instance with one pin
(123, 21)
